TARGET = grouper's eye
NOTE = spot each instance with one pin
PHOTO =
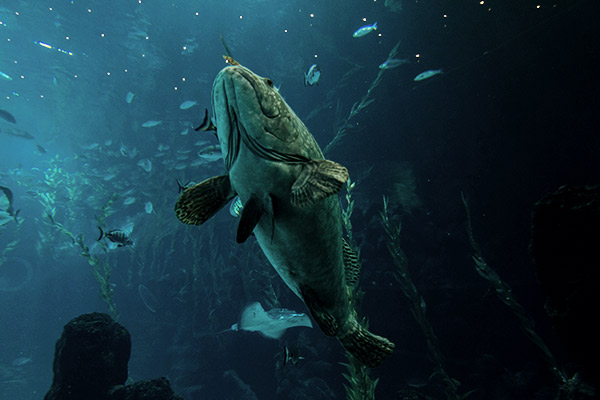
(269, 82)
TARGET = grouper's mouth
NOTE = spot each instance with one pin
(248, 109)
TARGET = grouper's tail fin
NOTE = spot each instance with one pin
(368, 348)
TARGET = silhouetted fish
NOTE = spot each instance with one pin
(14, 131)
(8, 210)
(5, 115)
(291, 355)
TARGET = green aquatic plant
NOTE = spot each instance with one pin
(59, 183)
(101, 268)
(345, 125)
(505, 294)
(416, 302)
(106, 210)
(360, 384)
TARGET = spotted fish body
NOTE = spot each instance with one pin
(288, 191)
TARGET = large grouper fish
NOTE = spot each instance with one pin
(290, 203)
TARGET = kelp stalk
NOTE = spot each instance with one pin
(101, 269)
(364, 102)
(416, 302)
(361, 385)
(504, 293)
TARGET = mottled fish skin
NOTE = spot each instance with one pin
(265, 148)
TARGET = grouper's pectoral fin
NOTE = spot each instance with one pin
(200, 202)
(318, 179)
(253, 211)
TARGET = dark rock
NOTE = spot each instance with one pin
(91, 357)
(155, 389)
(90, 363)
(236, 388)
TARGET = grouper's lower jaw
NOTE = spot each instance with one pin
(251, 91)
(246, 109)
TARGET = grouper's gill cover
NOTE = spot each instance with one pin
(289, 196)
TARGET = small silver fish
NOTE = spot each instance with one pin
(129, 97)
(151, 123)
(5, 76)
(364, 30)
(312, 76)
(211, 153)
(184, 186)
(394, 62)
(145, 164)
(187, 104)
(20, 361)
(90, 146)
(427, 74)
(129, 201)
(148, 207)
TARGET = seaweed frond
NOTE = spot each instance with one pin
(504, 293)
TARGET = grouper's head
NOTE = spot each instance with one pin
(249, 110)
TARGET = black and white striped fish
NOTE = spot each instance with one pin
(117, 236)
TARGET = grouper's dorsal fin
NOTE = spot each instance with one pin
(318, 179)
(200, 202)
(351, 264)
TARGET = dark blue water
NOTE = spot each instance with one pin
(512, 116)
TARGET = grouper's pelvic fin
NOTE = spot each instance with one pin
(368, 348)
(200, 202)
(318, 179)
(252, 212)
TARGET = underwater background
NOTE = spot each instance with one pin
(105, 97)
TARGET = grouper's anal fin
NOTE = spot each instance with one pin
(200, 202)
(318, 180)
(325, 320)
(252, 212)
(368, 348)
